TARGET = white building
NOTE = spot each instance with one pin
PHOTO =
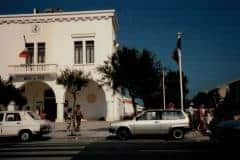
(55, 41)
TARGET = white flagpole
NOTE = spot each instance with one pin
(164, 97)
(179, 34)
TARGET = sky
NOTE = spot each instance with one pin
(211, 32)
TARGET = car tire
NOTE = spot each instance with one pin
(177, 133)
(123, 133)
(25, 136)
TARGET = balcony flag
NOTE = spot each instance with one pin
(24, 53)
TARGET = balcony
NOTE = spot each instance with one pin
(24, 69)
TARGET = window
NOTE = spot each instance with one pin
(34, 116)
(172, 115)
(1, 117)
(148, 116)
(90, 51)
(13, 117)
(30, 48)
(41, 52)
(78, 52)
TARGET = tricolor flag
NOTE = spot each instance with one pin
(24, 53)
(175, 54)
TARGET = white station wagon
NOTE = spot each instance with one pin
(23, 124)
(172, 122)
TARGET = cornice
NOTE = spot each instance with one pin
(57, 17)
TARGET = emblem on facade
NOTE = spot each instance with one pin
(91, 98)
(35, 28)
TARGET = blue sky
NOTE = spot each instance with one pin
(211, 28)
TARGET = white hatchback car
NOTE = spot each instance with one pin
(172, 122)
(23, 124)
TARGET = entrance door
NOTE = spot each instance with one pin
(1, 123)
(50, 106)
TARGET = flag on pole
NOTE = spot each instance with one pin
(24, 53)
(175, 54)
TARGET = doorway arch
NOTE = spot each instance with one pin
(40, 98)
(92, 100)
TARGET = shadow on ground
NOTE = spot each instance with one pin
(141, 137)
(17, 140)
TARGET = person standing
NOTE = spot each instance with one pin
(78, 116)
(191, 115)
(202, 124)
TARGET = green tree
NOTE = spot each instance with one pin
(133, 72)
(173, 87)
(208, 99)
(8, 92)
(201, 98)
(73, 81)
(150, 83)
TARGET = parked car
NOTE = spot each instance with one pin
(23, 124)
(226, 131)
(172, 122)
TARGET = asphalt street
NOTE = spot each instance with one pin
(111, 148)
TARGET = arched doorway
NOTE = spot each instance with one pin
(92, 100)
(50, 106)
(40, 98)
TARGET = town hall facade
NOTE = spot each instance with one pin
(56, 41)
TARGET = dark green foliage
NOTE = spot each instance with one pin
(134, 72)
(208, 99)
(173, 87)
(8, 92)
(73, 81)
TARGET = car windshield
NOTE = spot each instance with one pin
(34, 116)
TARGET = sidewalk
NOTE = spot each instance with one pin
(99, 129)
(88, 129)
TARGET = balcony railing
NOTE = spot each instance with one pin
(33, 68)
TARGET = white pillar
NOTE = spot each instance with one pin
(11, 106)
(60, 112)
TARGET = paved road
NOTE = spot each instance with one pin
(154, 149)
(111, 148)
(49, 149)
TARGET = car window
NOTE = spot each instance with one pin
(13, 117)
(148, 116)
(1, 117)
(34, 116)
(172, 115)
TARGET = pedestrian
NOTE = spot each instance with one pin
(69, 121)
(202, 124)
(171, 106)
(209, 118)
(78, 116)
(191, 116)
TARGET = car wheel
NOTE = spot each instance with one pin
(178, 133)
(123, 133)
(25, 136)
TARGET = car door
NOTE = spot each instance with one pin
(168, 119)
(12, 124)
(147, 123)
(1, 123)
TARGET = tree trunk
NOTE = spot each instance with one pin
(73, 107)
(134, 105)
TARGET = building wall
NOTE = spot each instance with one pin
(58, 36)
(59, 31)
